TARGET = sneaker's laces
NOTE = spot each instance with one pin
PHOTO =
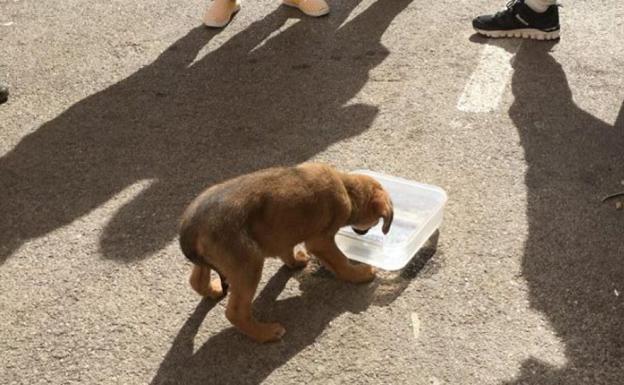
(508, 7)
(511, 3)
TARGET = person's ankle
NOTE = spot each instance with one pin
(536, 6)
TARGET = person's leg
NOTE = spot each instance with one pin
(314, 8)
(534, 19)
(220, 13)
(540, 5)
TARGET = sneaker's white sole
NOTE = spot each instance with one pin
(526, 33)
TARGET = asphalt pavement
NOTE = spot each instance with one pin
(121, 112)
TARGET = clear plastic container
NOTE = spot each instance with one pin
(418, 211)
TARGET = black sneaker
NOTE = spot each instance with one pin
(519, 20)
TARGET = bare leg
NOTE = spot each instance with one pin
(220, 12)
(314, 8)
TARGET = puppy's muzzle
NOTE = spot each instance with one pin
(360, 232)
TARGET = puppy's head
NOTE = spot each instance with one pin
(370, 203)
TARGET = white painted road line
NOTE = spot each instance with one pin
(415, 325)
(487, 83)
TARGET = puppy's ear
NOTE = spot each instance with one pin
(382, 206)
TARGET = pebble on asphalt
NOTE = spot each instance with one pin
(4, 93)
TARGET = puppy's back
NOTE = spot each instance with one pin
(272, 208)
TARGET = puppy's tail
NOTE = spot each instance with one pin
(188, 241)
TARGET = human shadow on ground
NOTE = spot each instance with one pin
(573, 257)
(231, 358)
(264, 98)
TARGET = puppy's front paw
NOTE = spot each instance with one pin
(362, 274)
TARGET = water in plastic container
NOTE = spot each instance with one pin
(418, 211)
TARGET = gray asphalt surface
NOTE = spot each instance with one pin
(120, 112)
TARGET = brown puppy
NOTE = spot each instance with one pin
(232, 227)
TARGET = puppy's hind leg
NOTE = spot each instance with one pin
(243, 284)
(206, 287)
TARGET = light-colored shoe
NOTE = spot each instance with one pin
(314, 8)
(220, 13)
